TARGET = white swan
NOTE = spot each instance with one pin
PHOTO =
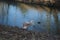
(28, 24)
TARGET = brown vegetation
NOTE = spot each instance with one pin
(15, 33)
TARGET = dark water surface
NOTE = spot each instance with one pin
(17, 15)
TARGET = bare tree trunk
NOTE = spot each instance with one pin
(56, 20)
(49, 20)
(1, 7)
(2, 13)
(7, 15)
(15, 16)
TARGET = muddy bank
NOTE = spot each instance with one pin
(15, 33)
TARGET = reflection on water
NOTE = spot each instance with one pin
(17, 15)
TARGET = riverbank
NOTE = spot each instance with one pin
(15, 33)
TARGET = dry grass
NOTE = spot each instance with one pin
(15, 33)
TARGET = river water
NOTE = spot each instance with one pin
(44, 18)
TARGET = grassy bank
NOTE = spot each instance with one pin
(15, 33)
